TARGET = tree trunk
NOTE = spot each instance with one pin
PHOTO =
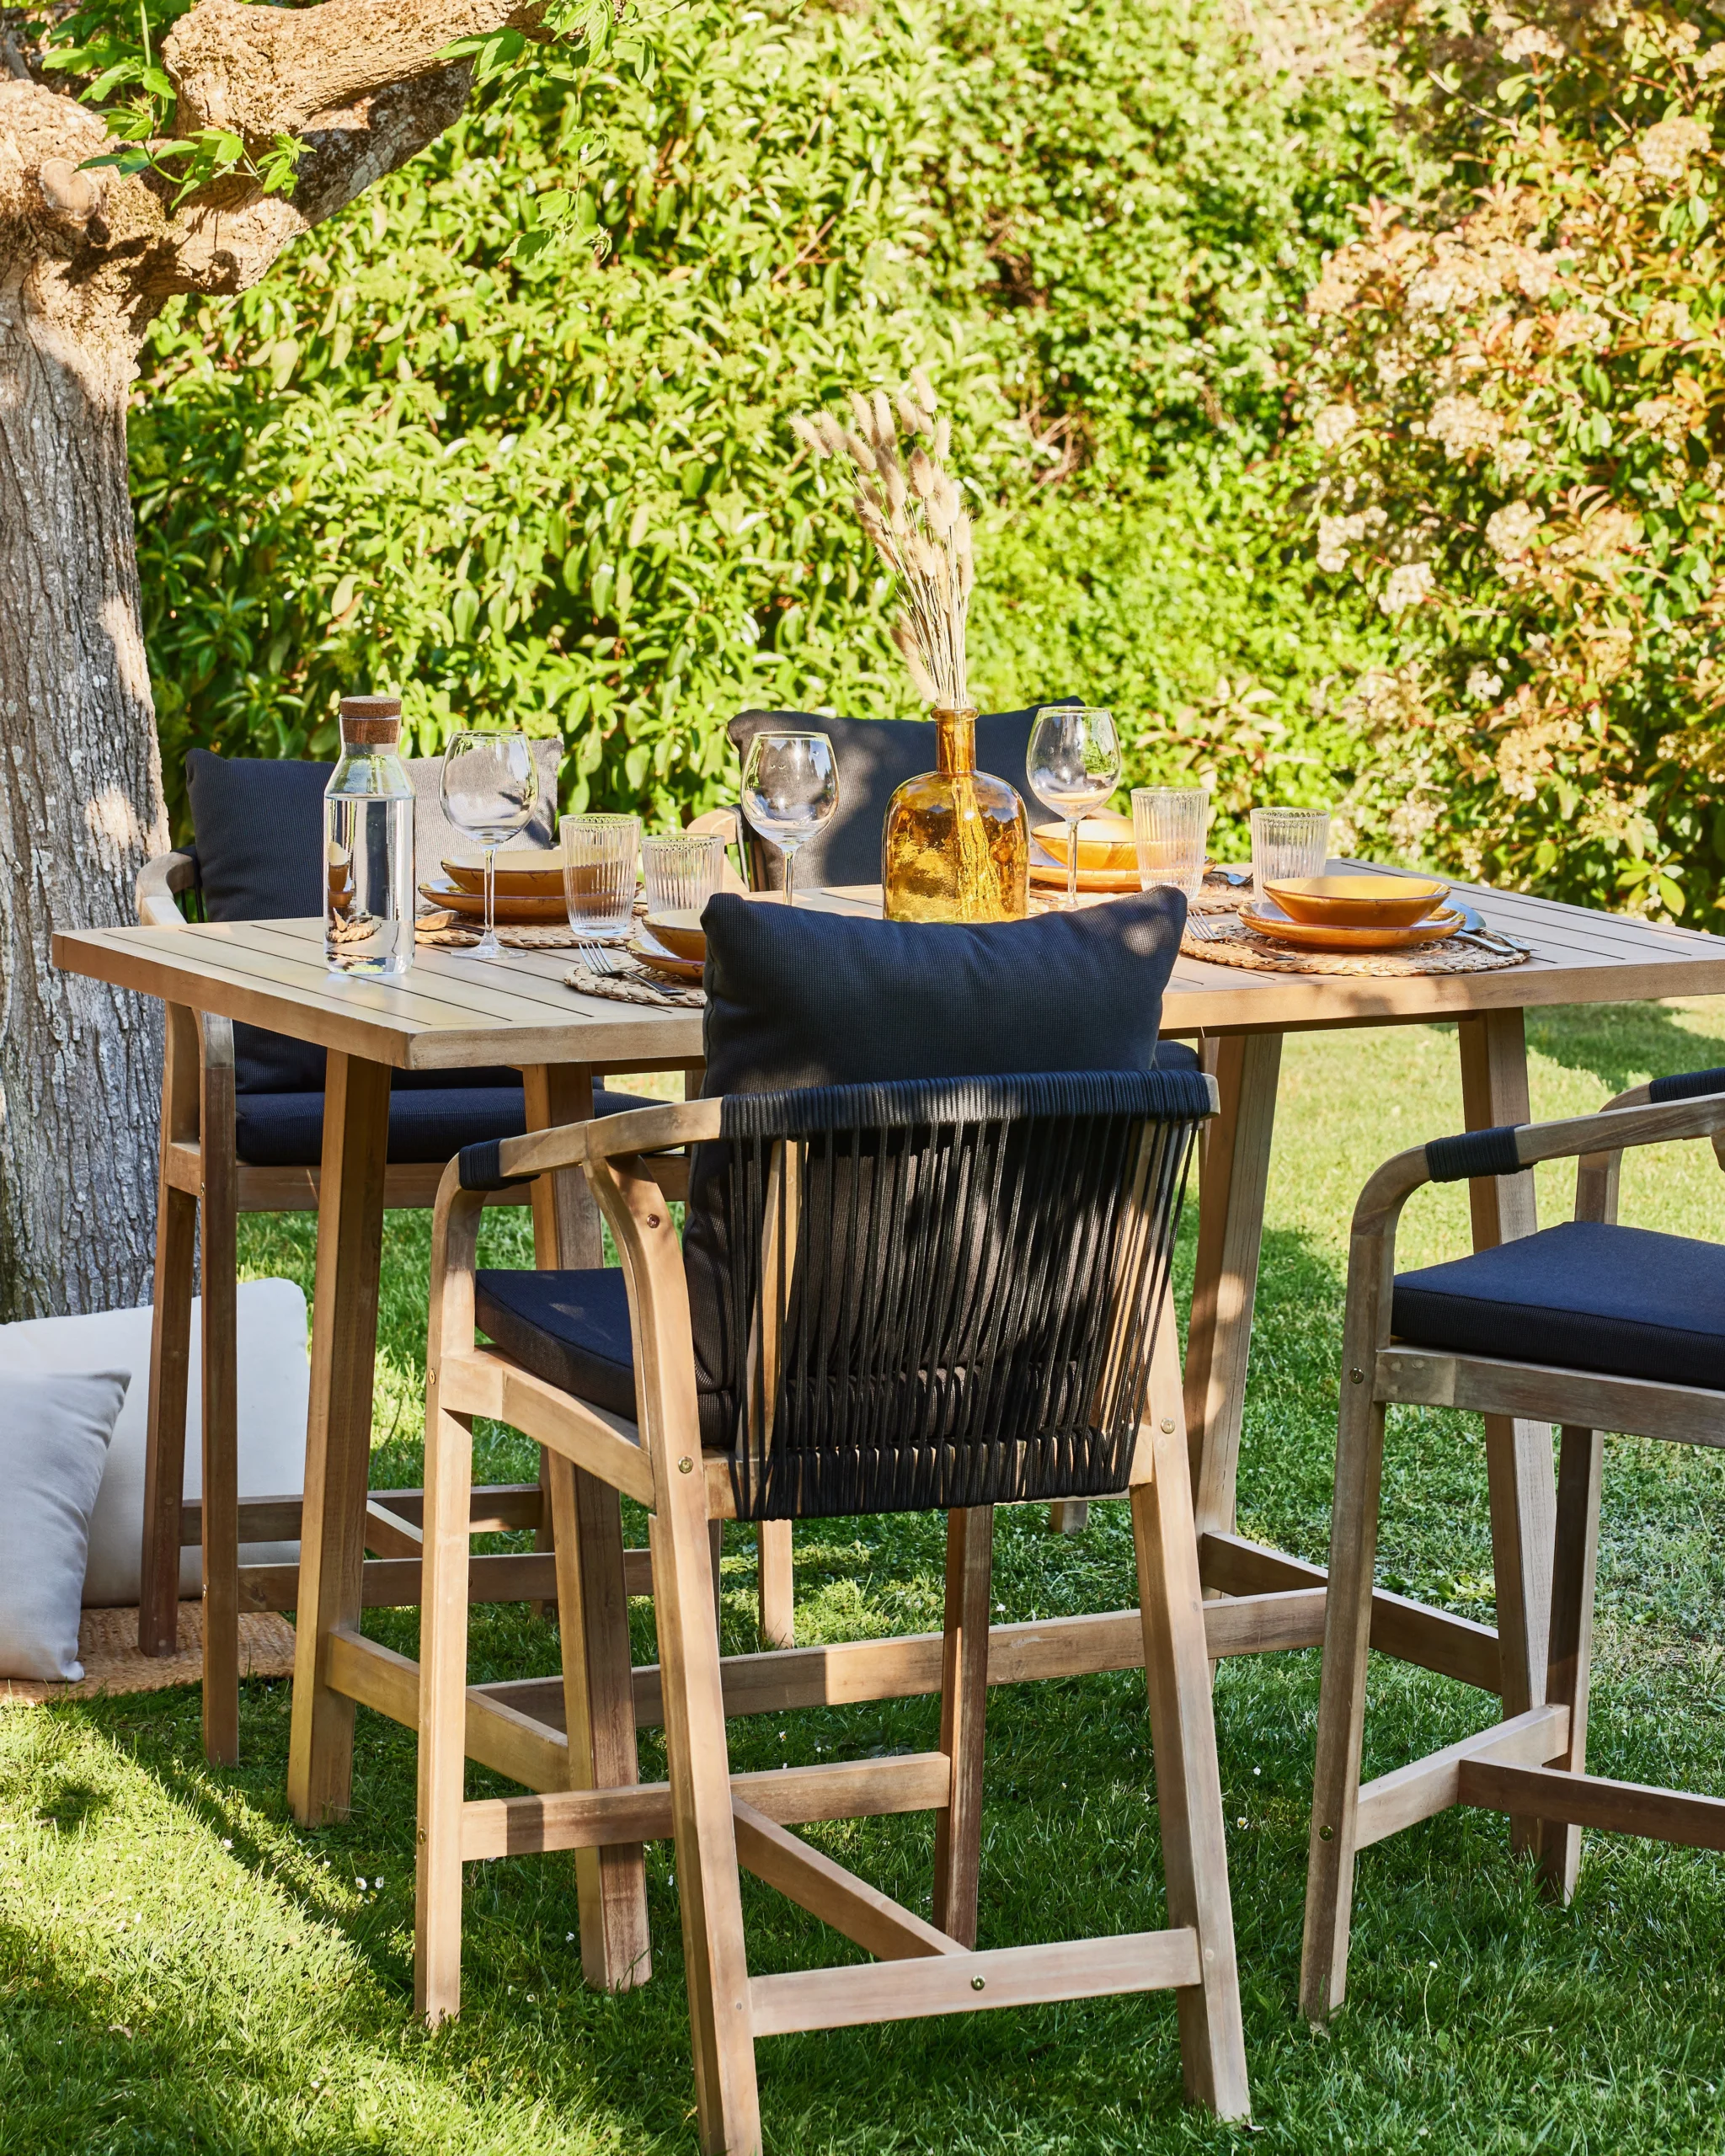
(87, 257)
(81, 808)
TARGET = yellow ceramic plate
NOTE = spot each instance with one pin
(681, 933)
(1105, 842)
(652, 953)
(1313, 936)
(518, 911)
(1359, 901)
(524, 872)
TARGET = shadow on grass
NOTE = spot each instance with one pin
(1620, 1044)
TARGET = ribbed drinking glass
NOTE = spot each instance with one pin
(1288, 843)
(599, 857)
(1169, 824)
(681, 870)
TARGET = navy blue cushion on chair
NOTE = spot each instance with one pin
(1582, 1296)
(429, 1124)
(874, 757)
(571, 1329)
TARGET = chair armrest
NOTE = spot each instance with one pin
(496, 1163)
(160, 880)
(1597, 1175)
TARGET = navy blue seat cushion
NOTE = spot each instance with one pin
(571, 1329)
(427, 1123)
(874, 757)
(259, 826)
(1583, 1296)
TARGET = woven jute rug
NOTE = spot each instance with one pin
(1243, 947)
(108, 1648)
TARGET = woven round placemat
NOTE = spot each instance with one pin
(450, 931)
(635, 988)
(1244, 947)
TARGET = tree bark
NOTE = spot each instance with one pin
(80, 809)
(86, 259)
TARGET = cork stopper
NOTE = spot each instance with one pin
(370, 721)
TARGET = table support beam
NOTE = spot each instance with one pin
(339, 1428)
(1233, 1174)
(1523, 1485)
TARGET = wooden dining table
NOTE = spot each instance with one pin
(451, 1012)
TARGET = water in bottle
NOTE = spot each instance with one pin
(368, 853)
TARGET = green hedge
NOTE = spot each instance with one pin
(511, 434)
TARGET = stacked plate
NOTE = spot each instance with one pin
(1107, 855)
(671, 944)
(529, 888)
(1359, 912)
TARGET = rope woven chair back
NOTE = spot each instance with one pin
(942, 1293)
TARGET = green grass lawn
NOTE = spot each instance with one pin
(182, 1968)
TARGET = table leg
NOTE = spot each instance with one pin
(218, 1222)
(170, 1349)
(1523, 1493)
(1233, 1172)
(339, 1428)
(600, 1701)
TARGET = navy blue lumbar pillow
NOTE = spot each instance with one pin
(798, 997)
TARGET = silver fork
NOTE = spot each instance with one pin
(598, 958)
(1203, 930)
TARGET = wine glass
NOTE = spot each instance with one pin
(489, 786)
(790, 788)
(1074, 765)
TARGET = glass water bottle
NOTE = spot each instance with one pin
(368, 851)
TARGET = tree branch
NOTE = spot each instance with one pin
(262, 72)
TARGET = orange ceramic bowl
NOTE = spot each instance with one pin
(682, 933)
(1105, 841)
(523, 872)
(1359, 901)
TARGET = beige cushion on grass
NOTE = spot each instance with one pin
(274, 1385)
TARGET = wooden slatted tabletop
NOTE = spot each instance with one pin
(450, 1012)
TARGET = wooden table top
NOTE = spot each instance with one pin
(450, 1012)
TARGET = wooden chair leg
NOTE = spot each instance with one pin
(1068, 1516)
(219, 1221)
(778, 1623)
(1341, 1715)
(1189, 1785)
(721, 2022)
(599, 1714)
(1580, 1465)
(964, 1701)
(443, 1713)
(170, 1349)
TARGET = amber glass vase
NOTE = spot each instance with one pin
(956, 842)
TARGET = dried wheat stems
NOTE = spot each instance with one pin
(909, 504)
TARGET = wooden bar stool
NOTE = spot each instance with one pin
(1590, 1325)
(936, 1294)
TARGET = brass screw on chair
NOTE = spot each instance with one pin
(1167, 1426)
(1356, 1377)
(977, 1984)
(686, 1465)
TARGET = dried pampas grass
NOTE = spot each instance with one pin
(909, 504)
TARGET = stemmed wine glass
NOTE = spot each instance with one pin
(489, 786)
(790, 788)
(1074, 765)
